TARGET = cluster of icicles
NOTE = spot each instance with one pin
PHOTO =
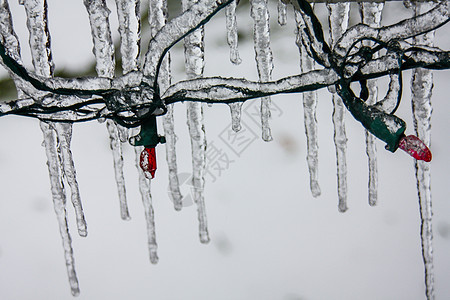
(57, 136)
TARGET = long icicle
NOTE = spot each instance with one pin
(157, 19)
(309, 111)
(36, 11)
(59, 202)
(232, 33)
(128, 13)
(144, 188)
(338, 18)
(421, 88)
(105, 66)
(371, 15)
(194, 63)
(116, 149)
(264, 58)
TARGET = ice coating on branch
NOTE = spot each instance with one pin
(105, 66)
(64, 134)
(232, 34)
(194, 64)
(264, 58)
(434, 18)
(116, 148)
(227, 90)
(309, 113)
(338, 18)
(59, 202)
(282, 13)
(421, 89)
(157, 19)
(312, 37)
(371, 15)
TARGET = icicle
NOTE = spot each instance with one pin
(423, 172)
(42, 60)
(371, 15)
(194, 63)
(144, 187)
(39, 37)
(232, 39)
(338, 18)
(116, 148)
(129, 28)
(309, 110)
(282, 13)
(235, 109)
(232, 34)
(198, 143)
(171, 157)
(157, 19)
(64, 133)
(105, 66)
(101, 36)
(263, 56)
(129, 16)
(59, 202)
(421, 88)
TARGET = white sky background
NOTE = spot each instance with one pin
(270, 239)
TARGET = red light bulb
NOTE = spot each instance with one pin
(147, 162)
(415, 147)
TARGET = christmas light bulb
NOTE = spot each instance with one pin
(415, 147)
(147, 162)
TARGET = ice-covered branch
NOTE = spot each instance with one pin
(433, 19)
(127, 93)
(227, 90)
